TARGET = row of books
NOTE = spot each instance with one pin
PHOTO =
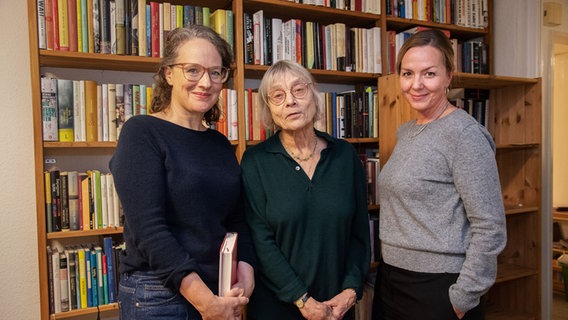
(465, 13)
(82, 276)
(473, 101)
(124, 27)
(349, 114)
(84, 110)
(368, 6)
(315, 46)
(470, 56)
(80, 201)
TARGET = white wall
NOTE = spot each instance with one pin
(19, 296)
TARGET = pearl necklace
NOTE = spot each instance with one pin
(311, 155)
(413, 132)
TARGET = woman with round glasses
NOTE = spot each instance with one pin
(306, 207)
(180, 186)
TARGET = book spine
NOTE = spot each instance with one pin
(55, 200)
(73, 190)
(120, 30)
(65, 110)
(42, 39)
(82, 278)
(49, 109)
(48, 214)
(63, 23)
(155, 29)
(72, 25)
(109, 253)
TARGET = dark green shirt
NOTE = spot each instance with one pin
(310, 235)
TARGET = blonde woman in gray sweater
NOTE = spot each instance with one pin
(442, 221)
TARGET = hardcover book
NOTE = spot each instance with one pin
(228, 263)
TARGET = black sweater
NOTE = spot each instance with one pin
(181, 192)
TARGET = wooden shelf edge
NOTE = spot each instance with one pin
(313, 12)
(96, 144)
(83, 233)
(510, 272)
(488, 81)
(97, 61)
(520, 210)
(78, 312)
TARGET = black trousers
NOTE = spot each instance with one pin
(406, 295)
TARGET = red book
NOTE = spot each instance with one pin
(155, 28)
(228, 263)
(72, 24)
(55, 17)
(49, 23)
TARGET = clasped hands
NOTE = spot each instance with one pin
(333, 309)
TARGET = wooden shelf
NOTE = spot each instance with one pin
(508, 272)
(83, 233)
(560, 215)
(107, 308)
(291, 10)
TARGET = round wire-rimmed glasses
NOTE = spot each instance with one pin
(194, 72)
(278, 96)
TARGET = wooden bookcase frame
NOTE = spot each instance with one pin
(516, 125)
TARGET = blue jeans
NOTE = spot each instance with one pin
(142, 296)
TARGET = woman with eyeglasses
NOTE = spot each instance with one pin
(180, 186)
(306, 207)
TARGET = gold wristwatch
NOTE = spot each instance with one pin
(300, 302)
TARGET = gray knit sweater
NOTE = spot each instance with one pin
(441, 205)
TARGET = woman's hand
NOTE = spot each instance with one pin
(459, 314)
(315, 310)
(342, 302)
(210, 306)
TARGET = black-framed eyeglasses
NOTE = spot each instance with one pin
(278, 96)
(194, 72)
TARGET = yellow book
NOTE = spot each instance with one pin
(85, 201)
(218, 22)
(82, 304)
(179, 16)
(90, 27)
(47, 178)
(141, 28)
(149, 93)
(79, 27)
(63, 19)
(91, 115)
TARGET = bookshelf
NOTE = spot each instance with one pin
(515, 125)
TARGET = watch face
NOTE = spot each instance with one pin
(299, 303)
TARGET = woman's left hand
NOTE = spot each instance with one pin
(342, 302)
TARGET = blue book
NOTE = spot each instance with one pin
(148, 31)
(94, 278)
(89, 279)
(109, 252)
(100, 280)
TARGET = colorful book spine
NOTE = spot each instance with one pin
(65, 110)
(49, 109)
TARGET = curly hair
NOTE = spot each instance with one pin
(162, 93)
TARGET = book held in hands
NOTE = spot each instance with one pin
(228, 263)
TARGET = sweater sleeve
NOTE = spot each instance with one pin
(477, 181)
(140, 180)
